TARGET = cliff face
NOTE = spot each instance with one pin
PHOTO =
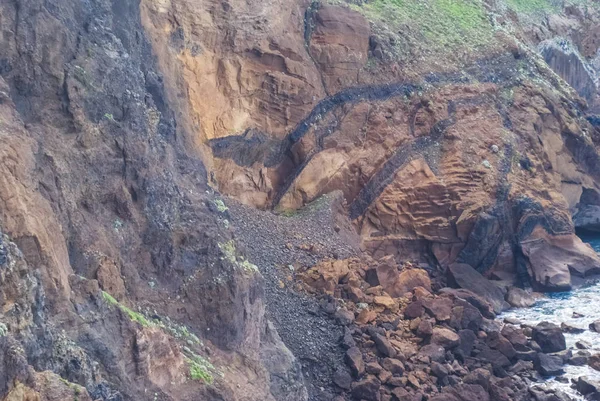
(118, 270)
(432, 157)
(461, 137)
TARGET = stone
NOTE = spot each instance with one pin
(579, 358)
(465, 316)
(394, 366)
(594, 362)
(514, 335)
(549, 365)
(383, 345)
(497, 341)
(413, 310)
(586, 386)
(385, 301)
(445, 338)
(439, 370)
(425, 328)
(373, 368)
(519, 298)
(582, 344)
(440, 308)
(344, 316)
(355, 362)
(464, 276)
(549, 337)
(367, 389)
(342, 378)
(433, 352)
(595, 326)
(569, 328)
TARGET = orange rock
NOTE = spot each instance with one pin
(385, 300)
(366, 316)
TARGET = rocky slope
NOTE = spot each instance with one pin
(458, 142)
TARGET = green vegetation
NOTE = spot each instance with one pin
(532, 6)
(109, 116)
(435, 25)
(230, 254)
(200, 368)
(3, 329)
(133, 316)
(221, 207)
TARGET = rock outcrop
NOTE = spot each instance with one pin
(125, 275)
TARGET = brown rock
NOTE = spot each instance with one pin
(373, 368)
(394, 366)
(367, 389)
(445, 338)
(468, 278)
(440, 308)
(366, 316)
(354, 360)
(520, 298)
(383, 345)
(385, 300)
(414, 310)
(425, 328)
(398, 283)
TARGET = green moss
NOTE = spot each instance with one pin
(109, 298)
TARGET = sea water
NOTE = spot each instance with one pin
(558, 308)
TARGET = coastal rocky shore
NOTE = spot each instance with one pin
(294, 200)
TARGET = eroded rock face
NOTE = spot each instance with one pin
(119, 275)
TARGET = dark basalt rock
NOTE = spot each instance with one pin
(549, 337)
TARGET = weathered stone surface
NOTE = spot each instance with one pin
(367, 389)
(549, 337)
(468, 278)
(445, 338)
(355, 361)
(586, 386)
(549, 365)
(519, 298)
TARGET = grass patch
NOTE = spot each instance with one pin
(133, 316)
(435, 25)
(200, 367)
(532, 6)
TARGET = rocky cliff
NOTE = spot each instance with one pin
(246, 200)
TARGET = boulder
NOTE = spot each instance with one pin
(586, 386)
(569, 328)
(595, 326)
(582, 344)
(549, 337)
(498, 342)
(579, 358)
(480, 303)
(394, 366)
(342, 378)
(367, 389)
(515, 335)
(440, 308)
(519, 298)
(465, 276)
(396, 283)
(383, 345)
(439, 370)
(549, 365)
(594, 362)
(445, 338)
(414, 310)
(425, 328)
(433, 352)
(465, 316)
(355, 362)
